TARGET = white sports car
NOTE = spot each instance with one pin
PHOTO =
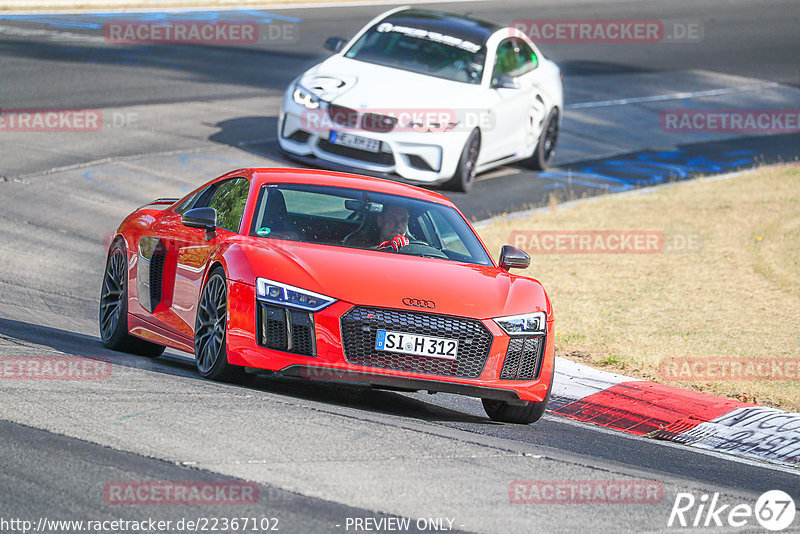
(432, 97)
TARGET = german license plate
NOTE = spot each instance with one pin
(355, 141)
(404, 343)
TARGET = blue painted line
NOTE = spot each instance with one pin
(621, 174)
(93, 21)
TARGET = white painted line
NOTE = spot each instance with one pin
(497, 173)
(575, 381)
(673, 96)
(52, 34)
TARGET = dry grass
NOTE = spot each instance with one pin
(738, 296)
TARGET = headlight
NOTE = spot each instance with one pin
(521, 325)
(305, 98)
(291, 296)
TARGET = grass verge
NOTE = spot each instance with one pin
(721, 298)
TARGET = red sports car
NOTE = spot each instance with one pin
(330, 276)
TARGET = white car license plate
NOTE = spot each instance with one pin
(433, 347)
(355, 141)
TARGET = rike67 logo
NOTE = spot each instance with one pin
(774, 510)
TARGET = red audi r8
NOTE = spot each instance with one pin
(330, 276)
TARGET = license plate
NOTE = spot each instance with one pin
(404, 343)
(355, 141)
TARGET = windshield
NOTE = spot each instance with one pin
(422, 51)
(361, 219)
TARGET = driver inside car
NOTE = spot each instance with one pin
(392, 228)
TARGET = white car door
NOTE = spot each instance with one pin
(516, 108)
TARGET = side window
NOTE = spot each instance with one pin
(188, 203)
(514, 58)
(527, 58)
(447, 235)
(229, 198)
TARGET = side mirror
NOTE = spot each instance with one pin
(505, 81)
(514, 258)
(203, 218)
(335, 44)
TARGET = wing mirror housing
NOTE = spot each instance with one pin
(335, 44)
(203, 218)
(505, 81)
(514, 258)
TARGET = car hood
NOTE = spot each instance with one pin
(384, 279)
(358, 85)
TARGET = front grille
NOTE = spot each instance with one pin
(360, 329)
(381, 158)
(286, 330)
(523, 359)
(343, 116)
(373, 122)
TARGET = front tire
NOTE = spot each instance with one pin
(545, 149)
(525, 414)
(114, 308)
(210, 331)
(464, 177)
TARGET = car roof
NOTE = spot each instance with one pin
(460, 26)
(263, 176)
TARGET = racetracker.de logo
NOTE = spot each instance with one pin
(50, 120)
(180, 493)
(384, 120)
(196, 32)
(605, 241)
(585, 492)
(54, 368)
(730, 369)
(608, 30)
(731, 120)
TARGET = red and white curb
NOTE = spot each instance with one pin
(674, 414)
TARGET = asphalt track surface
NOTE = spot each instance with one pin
(325, 453)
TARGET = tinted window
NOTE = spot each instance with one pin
(188, 202)
(363, 219)
(419, 50)
(229, 199)
(514, 57)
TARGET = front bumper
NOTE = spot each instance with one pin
(499, 374)
(419, 157)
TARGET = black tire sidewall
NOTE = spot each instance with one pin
(120, 335)
(461, 180)
(221, 366)
(537, 161)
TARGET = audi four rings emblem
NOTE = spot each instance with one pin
(419, 303)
